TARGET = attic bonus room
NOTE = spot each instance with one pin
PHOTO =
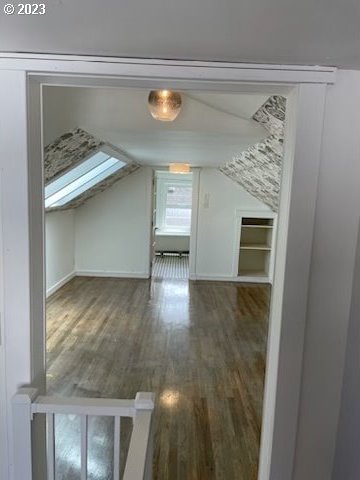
(160, 217)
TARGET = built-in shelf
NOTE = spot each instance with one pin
(257, 222)
(256, 242)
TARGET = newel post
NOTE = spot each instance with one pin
(22, 418)
(145, 401)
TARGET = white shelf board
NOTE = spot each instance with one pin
(252, 273)
(257, 226)
(255, 246)
(253, 277)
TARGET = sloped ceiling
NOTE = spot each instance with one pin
(258, 169)
(69, 150)
(241, 134)
(209, 130)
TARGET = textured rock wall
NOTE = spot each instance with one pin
(71, 149)
(258, 169)
(67, 151)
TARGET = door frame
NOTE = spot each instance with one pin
(3, 404)
(22, 78)
(150, 197)
(194, 218)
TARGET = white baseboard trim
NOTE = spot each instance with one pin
(254, 279)
(60, 283)
(217, 278)
(112, 274)
(93, 273)
(144, 275)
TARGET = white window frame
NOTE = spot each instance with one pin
(163, 182)
(53, 188)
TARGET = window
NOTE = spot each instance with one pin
(76, 181)
(173, 205)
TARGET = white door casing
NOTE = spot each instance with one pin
(21, 80)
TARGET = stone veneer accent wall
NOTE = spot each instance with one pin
(71, 149)
(258, 169)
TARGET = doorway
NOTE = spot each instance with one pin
(311, 111)
(173, 194)
(105, 308)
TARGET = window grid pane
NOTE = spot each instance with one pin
(174, 204)
(178, 195)
(178, 218)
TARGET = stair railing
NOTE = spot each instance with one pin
(26, 403)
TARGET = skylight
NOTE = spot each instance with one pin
(80, 179)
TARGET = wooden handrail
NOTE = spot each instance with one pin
(106, 407)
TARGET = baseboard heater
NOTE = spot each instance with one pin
(179, 253)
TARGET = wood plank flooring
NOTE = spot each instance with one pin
(200, 346)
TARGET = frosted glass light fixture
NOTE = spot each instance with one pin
(164, 105)
(179, 168)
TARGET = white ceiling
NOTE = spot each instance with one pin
(202, 135)
(240, 105)
(263, 31)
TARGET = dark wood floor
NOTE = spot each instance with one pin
(200, 346)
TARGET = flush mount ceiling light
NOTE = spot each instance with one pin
(179, 168)
(164, 105)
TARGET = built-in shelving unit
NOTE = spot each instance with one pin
(255, 238)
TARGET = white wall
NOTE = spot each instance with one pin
(60, 251)
(214, 254)
(112, 229)
(59, 113)
(347, 458)
(330, 282)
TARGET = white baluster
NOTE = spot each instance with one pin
(116, 448)
(150, 453)
(84, 446)
(50, 442)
